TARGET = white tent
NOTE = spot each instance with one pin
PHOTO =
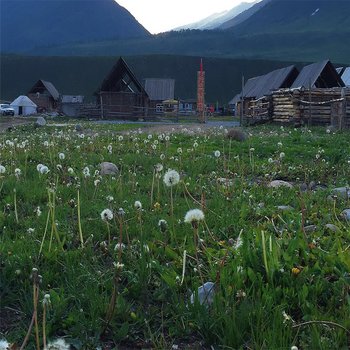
(23, 105)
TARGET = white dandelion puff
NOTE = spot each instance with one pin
(106, 215)
(171, 178)
(137, 205)
(193, 217)
(58, 344)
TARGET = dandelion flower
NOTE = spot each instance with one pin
(44, 170)
(193, 216)
(106, 215)
(171, 178)
(39, 166)
(138, 205)
(86, 171)
(46, 300)
(158, 167)
(4, 344)
(162, 225)
(58, 344)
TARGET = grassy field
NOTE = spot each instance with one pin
(117, 261)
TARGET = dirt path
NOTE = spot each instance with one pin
(8, 122)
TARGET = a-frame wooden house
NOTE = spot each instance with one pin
(121, 94)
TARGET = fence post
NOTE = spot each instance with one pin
(343, 109)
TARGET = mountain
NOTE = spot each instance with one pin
(289, 30)
(28, 24)
(303, 17)
(244, 15)
(218, 19)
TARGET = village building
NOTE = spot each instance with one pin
(318, 75)
(121, 94)
(23, 105)
(70, 105)
(254, 95)
(160, 93)
(45, 96)
(345, 75)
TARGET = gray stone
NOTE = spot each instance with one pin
(346, 214)
(108, 168)
(285, 207)
(279, 183)
(303, 187)
(310, 228)
(224, 181)
(206, 294)
(40, 121)
(342, 192)
(79, 128)
(312, 185)
(332, 227)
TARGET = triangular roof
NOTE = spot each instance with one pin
(160, 89)
(121, 79)
(318, 75)
(346, 76)
(41, 85)
(23, 101)
(264, 85)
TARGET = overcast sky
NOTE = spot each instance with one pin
(162, 15)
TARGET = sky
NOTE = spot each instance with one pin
(162, 15)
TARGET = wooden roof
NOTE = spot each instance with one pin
(318, 75)
(264, 85)
(160, 89)
(42, 85)
(121, 79)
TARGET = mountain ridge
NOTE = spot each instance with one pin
(53, 22)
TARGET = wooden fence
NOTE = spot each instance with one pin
(133, 113)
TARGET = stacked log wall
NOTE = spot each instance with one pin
(315, 107)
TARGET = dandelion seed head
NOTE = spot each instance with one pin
(158, 167)
(193, 217)
(137, 205)
(61, 156)
(2, 169)
(106, 215)
(58, 344)
(44, 169)
(171, 178)
(217, 154)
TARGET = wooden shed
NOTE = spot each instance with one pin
(44, 95)
(159, 90)
(257, 91)
(121, 95)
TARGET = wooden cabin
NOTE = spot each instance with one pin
(255, 97)
(45, 96)
(121, 95)
(159, 90)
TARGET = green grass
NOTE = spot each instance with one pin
(266, 289)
